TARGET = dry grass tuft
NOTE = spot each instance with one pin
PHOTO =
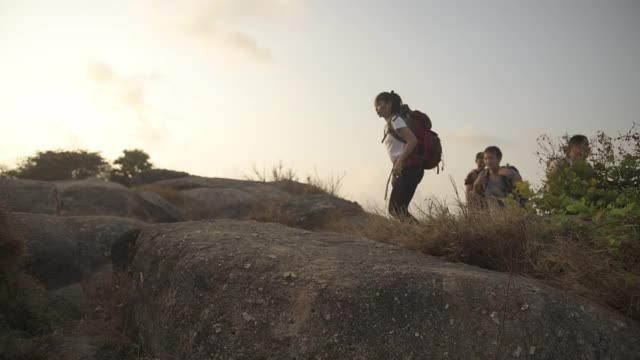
(287, 179)
(330, 185)
(271, 212)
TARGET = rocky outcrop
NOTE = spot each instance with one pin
(155, 175)
(95, 197)
(244, 290)
(71, 301)
(29, 196)
(162, 209)
(65, 250)
(214, 198)
(182, 198)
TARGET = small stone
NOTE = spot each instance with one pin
(446, 306)
(451, 322)
(532, 350)
(517, 352)
(494, 317)
(524, 307)
(247, 266)
(217, 328)
(272, 256)
(417, 334)
(254, 234)
(289, 275)
(246, 317)
(327, 317)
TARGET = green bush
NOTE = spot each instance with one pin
(59, 165)
(598, 199)
(130, 164)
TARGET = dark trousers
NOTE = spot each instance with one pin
(404, 187)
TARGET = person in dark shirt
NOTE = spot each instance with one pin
(473, 175)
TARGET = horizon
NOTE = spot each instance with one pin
(215, 88)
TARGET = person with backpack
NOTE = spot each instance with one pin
(577, 151)
(495, 182)
(472, 176)
(412, 148)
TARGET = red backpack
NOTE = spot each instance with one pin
(428, 151)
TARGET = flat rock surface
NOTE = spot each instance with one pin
(244, 290)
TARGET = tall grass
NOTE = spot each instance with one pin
(288, 180)
(11, 245)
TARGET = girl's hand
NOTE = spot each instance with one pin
(504, 171)
(397, 168)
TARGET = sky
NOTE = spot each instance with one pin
(218, 87)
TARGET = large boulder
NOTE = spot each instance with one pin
(29, 196)
(290, 202)
(163, 210)
(314, 211)
(258, 189)
(96, 197)
(155, 175)
(65, 250)
(70, 301)
(245, 290)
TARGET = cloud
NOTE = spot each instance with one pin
(128, 93)
(100, 72)
(471, 136)
(262, 9)
(205, 24)
(211, 35)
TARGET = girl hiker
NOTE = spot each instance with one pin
(400, 142)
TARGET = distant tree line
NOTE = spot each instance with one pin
(55, 165)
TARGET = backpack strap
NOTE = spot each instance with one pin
(507, 182)
(391, 131)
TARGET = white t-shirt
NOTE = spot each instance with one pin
(394, 146)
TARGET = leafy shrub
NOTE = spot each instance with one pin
(598, 200)
(60, 165)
